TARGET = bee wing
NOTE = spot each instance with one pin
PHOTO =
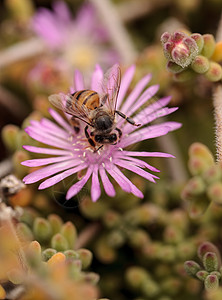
(65, 103)
(110, 87)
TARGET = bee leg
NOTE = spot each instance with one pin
(91, 142)
(130, 120)
(75, 124)
(119, 132)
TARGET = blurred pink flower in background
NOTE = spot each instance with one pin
(79, 43)
(72, 154)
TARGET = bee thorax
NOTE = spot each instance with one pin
(103, 122)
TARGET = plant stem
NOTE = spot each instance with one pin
(118, 34)
(21, 51)
(217, 102)
(87, 235)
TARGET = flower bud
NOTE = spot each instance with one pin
(115, 238)
(92, 278)
(214, 192)
(9, 134)
(75, 267)
(150, 288)
(185, 75)
(34, 255)
(191, 267)
(71, 254)
(214, 72)
(42, 229)
(171, 286)
(28, 216)
(210, 262)
(56, 259)
(24, 232)
(211, 282)
(217, 55)
(179, 48)
(185, 250)
(48, 253)
(209, 45)
(173, 67)
(198, 206)
(172, 235)
(55, 222)
(86, 257)
(195, 185)
(207, 247)
(18, 157)
(212, 174)
(166, 253)
(202, 275)
(59, 242)
(198, 38)
(104, 252)
(138, 237)
(69, 231)
(202, 151)
(136, 276)
(111, 218)
(200, 64)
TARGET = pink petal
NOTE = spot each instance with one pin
(50, 170)
(108, 187)
(125, 83)
(74, 189)
(136, 161)
(144, 119)
(137, 170)
(133, 189)
(48, 128)
(78, 81)
(62, 11)
(143, 134)
(44, 161)
(111, 169)
(59, 177)
(95, 187)
(147, 154)
(135, 93)
(53, 128)
(46, 150)
(60, 120)
(148, 94)
(47, 139)
(96, 81)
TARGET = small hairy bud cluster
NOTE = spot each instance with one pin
(211, 271)
(190, 54)
(206, 184)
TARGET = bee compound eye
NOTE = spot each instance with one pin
(113, 137)
(99, 138)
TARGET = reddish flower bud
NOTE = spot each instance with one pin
(179, 48)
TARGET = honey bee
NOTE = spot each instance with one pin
(97, 111)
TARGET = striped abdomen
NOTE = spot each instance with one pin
(86, 97)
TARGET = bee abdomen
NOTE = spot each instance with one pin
(86, 97)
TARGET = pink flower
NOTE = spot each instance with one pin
(79, 42)
(72, 154)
